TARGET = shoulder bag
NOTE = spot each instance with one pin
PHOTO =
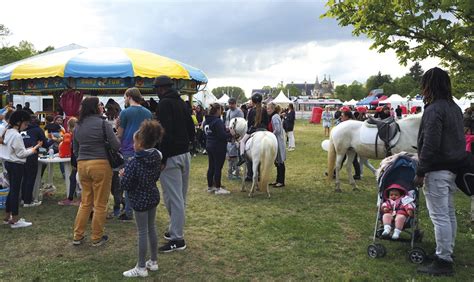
(114, 156)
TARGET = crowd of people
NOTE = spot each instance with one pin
(156, 139)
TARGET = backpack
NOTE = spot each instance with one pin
(465, 176)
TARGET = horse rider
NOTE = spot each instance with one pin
(257, 119)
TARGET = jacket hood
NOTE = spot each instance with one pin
(150, 157)
(211, 119)
(398, 187)
(172, 94)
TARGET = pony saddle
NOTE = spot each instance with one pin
(375, 131)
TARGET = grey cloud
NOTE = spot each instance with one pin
(220, 37)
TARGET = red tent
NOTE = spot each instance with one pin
(345, 109)
(361, 109)
(379, 109)
(404, 110)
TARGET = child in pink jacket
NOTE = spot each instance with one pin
(397, 208)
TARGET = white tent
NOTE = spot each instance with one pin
(395, 100)
(205, 98)
(350, 103)
(224, 100)
(281, 99)
(464, 103)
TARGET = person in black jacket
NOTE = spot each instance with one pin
(289, 125)
(174, 116)
(216, 147)
(257, 119)
(31, 136)
(441, 152)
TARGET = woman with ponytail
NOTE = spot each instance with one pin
(257, 120)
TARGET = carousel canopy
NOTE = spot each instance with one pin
(77, 67)
(100, 63)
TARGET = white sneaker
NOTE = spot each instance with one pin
(211, 189)
(21, 223)
(136, 272)
(221, 191)
(396, 234)
(152, 265)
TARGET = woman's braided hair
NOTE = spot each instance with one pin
(436, 84)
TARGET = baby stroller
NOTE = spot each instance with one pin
(398, 170)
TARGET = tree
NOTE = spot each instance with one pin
(233, 92)
(376, 81)
(10, 54)
(4, 31)
(414, 29)
(416, 72)
(405, 85)
(355, 91)
(47, 49)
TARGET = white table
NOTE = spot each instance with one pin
(49, 162)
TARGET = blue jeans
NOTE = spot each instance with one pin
(439, 193)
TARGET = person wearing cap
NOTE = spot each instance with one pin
(128, 122)
(174, 116)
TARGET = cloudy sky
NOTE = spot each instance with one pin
(243, 43)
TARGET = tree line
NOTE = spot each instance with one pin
(13, 53)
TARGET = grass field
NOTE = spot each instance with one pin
(304, 232)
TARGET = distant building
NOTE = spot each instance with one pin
(323, 89)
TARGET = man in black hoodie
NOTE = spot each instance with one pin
(174, 116)
(441, 152)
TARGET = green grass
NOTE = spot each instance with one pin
(304, 232)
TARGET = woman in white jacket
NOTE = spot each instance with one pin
(13, 154)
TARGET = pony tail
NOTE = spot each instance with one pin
(258, 116)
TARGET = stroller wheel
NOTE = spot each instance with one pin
(381, 250)
(373, 251)
(417, 255)
(418, 234)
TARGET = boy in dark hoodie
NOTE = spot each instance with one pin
(139, 178)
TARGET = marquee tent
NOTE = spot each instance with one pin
(350, 103)
(281, 100)
(395, 100)
(224, 100)
(205, 98)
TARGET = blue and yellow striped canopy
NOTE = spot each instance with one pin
(100, 63)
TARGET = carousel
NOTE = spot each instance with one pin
(72, 72)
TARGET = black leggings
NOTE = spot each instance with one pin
(15, 176)
(216, 158)
(72, 183)
(28, 183)
(280, 173)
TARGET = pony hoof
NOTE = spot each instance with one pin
(338, 190)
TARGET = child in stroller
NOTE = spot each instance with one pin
(397, 207)
(395, 176)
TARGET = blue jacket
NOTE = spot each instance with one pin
(140, 177)
(216, 134)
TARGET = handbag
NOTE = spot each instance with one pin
(114, 156)
(465, 176)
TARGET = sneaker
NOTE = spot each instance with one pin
(357, 177)
(438, 267)
(31, 205)
(136, 272)
(37, 203)
(171, 246)
(291, 149)
(65, 202)
(101, 242)
(152, 265)
(20, 223)
(79, 242)
(125, 218)
(221, 191)
(167, 236)
(211, 189)
(279, 185)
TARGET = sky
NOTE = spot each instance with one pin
(242, 43)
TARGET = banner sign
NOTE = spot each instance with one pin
(102, 83)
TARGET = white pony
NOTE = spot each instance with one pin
(261, 149)
(346, 140)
